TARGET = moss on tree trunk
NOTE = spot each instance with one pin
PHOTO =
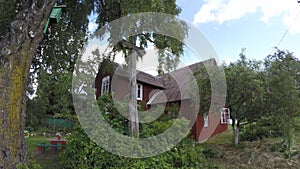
(17, 49)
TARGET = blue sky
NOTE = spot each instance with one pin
(257, 25)
(230, 25)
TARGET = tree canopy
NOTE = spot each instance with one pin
(53, 65)
(130, 38)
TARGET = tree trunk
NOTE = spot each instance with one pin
(133, 114)
(236, 131)
(236, 135)
(17, 49)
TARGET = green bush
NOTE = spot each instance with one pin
(209, 153)
(32, 165)
(83, 153)
(263, 128)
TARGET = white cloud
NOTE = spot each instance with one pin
(226, 10)
(92, 26)
(292, 19)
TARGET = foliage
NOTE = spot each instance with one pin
(8, 10)
(207, 78)
(111, 114)
(121, 40)
(261, 129)
(209, 153)
(32, 165)
(52, 66)
(172, 110)
(245, 92)
(204, 85)
(283, 99)
(269, 91)
(111, 10)
(155, 128)
(82, 152)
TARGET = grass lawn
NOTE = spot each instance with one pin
(259, 154)
(222, 138)
(47, 161)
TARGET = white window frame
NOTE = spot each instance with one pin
(225, 115)
(105, 85)
(141, 91)
(206, 120)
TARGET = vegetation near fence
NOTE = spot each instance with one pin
(58, 124)
(81, 152)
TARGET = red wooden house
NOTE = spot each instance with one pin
(150, 90)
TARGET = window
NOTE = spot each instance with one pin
(139, 92)
(105, 85)
(206, 120)
(225, 115)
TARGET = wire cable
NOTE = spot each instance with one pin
(286, 32)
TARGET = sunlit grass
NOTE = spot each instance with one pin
(31, 143)
(47, 161)
(222, 138)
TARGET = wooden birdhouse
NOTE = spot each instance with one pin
(55, 16)
(56, 13)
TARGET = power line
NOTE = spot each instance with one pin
(288, 29)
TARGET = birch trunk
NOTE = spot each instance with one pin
(17, 49)
(236, 135)
(236, 131)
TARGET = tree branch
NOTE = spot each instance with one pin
(141, 51)
(148, 38)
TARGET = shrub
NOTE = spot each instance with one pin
(32, 165)
(83, 153)
(261, 129)
(209, 153)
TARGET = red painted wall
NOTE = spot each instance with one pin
(200, 133)
(221, 128)
(119, 85)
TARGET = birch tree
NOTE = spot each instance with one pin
(133, 47)
(21, 33)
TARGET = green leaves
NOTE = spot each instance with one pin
(269, 91)
(169, 48)
(283, 93)
(82, 152)
(244, 89)
(53, 65)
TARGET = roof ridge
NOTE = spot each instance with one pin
(189, 66)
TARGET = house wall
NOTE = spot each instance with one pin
(119, 85)
(214, 127)
(186, 108)
(148, 91)
(98, 83)
(197, 128)
(221, 128)
(198, 132)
